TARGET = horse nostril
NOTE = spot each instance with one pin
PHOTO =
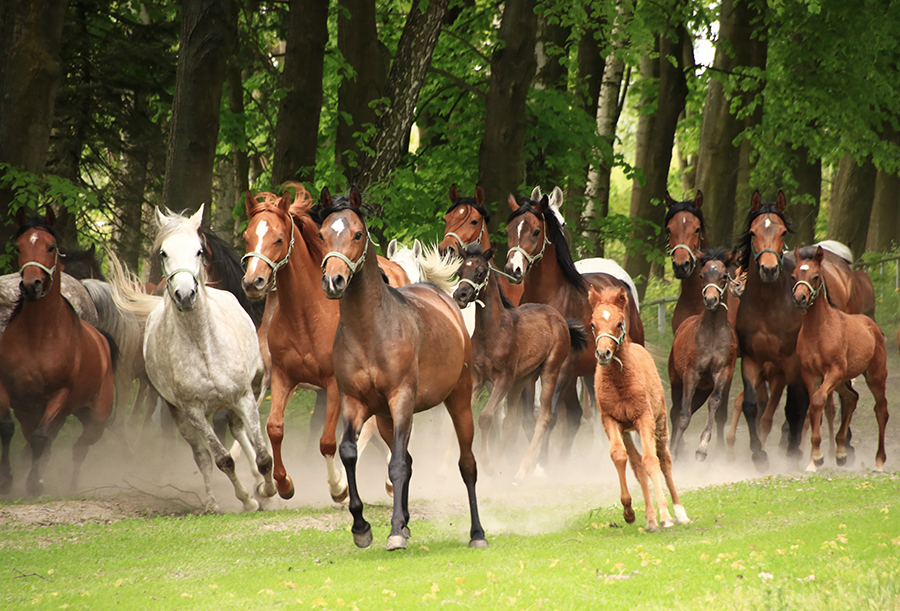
(339, 282)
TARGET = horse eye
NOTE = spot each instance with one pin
(783, 233)
(163, 254)
(279, 241)
(320, 236)
(200, 252)
(536, 232)
(358, 235)
(51, 248)
(475, 222)
(668, 231)
(752, 235)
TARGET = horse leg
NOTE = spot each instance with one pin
(731, 435)
(246, 428)
(718, 402)
(529, 419)
(665, 465)
(486, 418)
(647, 428)
(573, 417)
(281, 392)
(220, 424)
(682, 417)
(191, 433)
(7, 430)
(356, 415)
(795, 408)
(749, 374)
(876, 379)
(337, 478)
(460, 410)
(93, 422)
(542, 428)
(401, 406)
(365, 435)
(318, 418)
(40, 439)
(514, 410)
(849, 399)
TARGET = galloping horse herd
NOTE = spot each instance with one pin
(386, 339)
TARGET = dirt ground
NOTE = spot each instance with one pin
(126, 477)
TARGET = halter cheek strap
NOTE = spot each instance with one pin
(690, 252)
(353, 265)
(274, 265)
(49, 270)
(813, 293)
(721, 290)
(618, 341)
(535, 258)
(464, 245)
(757, 255)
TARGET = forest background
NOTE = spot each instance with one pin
(108, 108)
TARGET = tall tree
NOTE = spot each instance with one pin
(850, 208)
(884, 228)
(206, 36)
(297, 130)
(654, 143)
(501, 167)
(804, 202)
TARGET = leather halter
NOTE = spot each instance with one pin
(274, 265)
(721, 290)
(463, 245)
(618, 341)
(535, 258)
(50, 271)
(813, 293)
(690, 252)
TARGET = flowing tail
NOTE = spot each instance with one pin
(437, 269)
(577, 334)
(127, 291)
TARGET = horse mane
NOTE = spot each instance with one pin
(36, 222)
(84, 256)
(226, 273)
(302, 212)
(470, 201)
(743, 245)
(341, 202)
(685, 206)
(714, 254)
(556, 233)
(176, 223)
(437, 269)
(475, 250)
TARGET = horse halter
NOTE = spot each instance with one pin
(618, 341)
(463, 245)
(50, 271)
(535, 258)
(274, 265)
(690, 252)
(353, 265)
(813, 293)
(721, 290)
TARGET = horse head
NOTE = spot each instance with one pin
(608, 322)
(345, 240)
(36, 244)
(714, 276)
(808, 279)
(474, 272)
(686, 233)
(465, 223)
(181, 253)
(269, 238)
(767, 228)
(526, 232)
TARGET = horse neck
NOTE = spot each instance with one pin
(363, 300)
(298, 281)
(50, 307)
(488, 317)
(819, 316)
(691, 288)
(713, 319)
(545, 279)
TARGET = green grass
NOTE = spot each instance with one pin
(785, 542)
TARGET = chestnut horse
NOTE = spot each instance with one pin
(704, 351)
(396, 352)
(835, 347)
(538, 248)
(52, 363)
(630, 397)
(511, 348)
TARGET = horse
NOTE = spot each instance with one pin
(686, 233)
(396, 352)
(630, 397)
(835, 347)
(185, 333)
(511, 348)
(81, 263)
(52, 363)
(704, 351)
(554, 280)
(424, 264)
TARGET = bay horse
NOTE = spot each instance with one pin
(686, 234)
(539, 249)
(704, 351)
(185, 333)
(630, 397)
(835, 347)
(52, 363)
(512, 348)
(396, 352)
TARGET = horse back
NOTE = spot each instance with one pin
(601, 280)
(394, 272)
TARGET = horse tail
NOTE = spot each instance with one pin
(577, 334)
(438, 269)
(113, 349)
(127, 291)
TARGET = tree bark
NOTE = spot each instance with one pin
(297, 127)
(359, 46)
(718, 158)
(234, 180)
(654, 143)
(408, 70)
(884, 229)
(804, 205)
(501, 168)
(852, 196)
(206, 36)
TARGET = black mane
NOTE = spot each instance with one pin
(743, 245)
(341, 202)
(470, 201)
(224, 272)
(685, 206)
(714, 254)
(557, 236)
(36, 222)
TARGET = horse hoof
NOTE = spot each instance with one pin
(841, 460)
(405, 532)
(341, 499)
(761, 461)
(651, 528)
(478, 544)
(667, 524)
(681, 516)
(819, 461)
(700, 456)
(811, 467)
(628, 514)
(285, 488)
(395, 542)
(251, 505)
(363, 539)
(265, 490)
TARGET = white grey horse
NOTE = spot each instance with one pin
(201, 354)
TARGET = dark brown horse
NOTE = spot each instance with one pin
(834, 348)
(704, 351)
(396, 352)
(686, 233)
(512, 348)
(52, 363)
(466, 224)
(538, 248)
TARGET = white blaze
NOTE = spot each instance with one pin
(261, 231)
(517, 260)
(768, 223)
(804, 267)
(605, 314)
(338, 226)
(33, 238)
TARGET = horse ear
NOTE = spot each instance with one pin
(797, 255)
(197, 218)
(250, 204)
(325, 198)
(513, 204)
(417, 248)
(479, 195)
(488, 254)
(622, 297)
(453, 193)
(698, 199)
(820, 254)
(543, 205)
(536, 194)
(556, 198)
(392, 248)
(355, 198)
(285, 203)
(92, 250)
(755, 202)
(668, 201)
(21, 217)
(160, 217)
(50, 217)
(593, 296)
(780, 201)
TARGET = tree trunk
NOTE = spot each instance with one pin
(804, 205)
(718, 158)
(233, 174)
(687, 165)
(884, 229)
(654, 143)
(206, 36)
(501, 168)
(359, 46)
(31, 75)
(852, 196)
(417, 42)
(297, 129)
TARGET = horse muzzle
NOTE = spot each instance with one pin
(32, 290)
(711, 303)
(463, 296)
(604, 357)
(515, 270)
(769, 274)
(334, 285)
(683, 269)
(256, 288)
(801, 301)
(184, 300)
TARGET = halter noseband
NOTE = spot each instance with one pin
(463, 245)
(618, 341)
(50, 271)
(721, 290)
(274, 265)
(813, 293)
(353, 265)
(532, 259)
(690, 252)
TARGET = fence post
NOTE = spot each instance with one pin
(661, 316)
(896, 275)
